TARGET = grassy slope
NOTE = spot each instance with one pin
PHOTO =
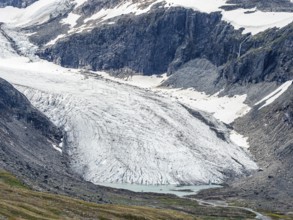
(19, 202)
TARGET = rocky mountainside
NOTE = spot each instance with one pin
(116, 46)
(217, 55)
(270, 133)
(166, 43)
(264, 57)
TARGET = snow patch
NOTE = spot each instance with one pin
(52, 42)
(223, 108)
(254, 22)
(57, 148)
(71, 19)
(257, 21)
(43, 10)
(239, 139)
(207, 6)
(79, 2)
(269, 99)
(124, 8)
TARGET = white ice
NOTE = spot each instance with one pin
(121, 133)
(223, 108)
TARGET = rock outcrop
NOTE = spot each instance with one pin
(265, 57)
(16, 3)
(153, 43)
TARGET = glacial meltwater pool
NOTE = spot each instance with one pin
(164, 189)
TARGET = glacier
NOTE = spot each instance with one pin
(119, 133)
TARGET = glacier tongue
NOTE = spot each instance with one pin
(120, 133)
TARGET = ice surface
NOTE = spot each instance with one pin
(224, 108)
(122, 133)
(239, 139)
(119, 132)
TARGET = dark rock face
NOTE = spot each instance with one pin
(164, 40)
(16, 3)
(265, 57)
(47, 31)
(14, 105)
(153, 43)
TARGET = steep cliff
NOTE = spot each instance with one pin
(163, 40)
(152, 43)
(264, 57)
